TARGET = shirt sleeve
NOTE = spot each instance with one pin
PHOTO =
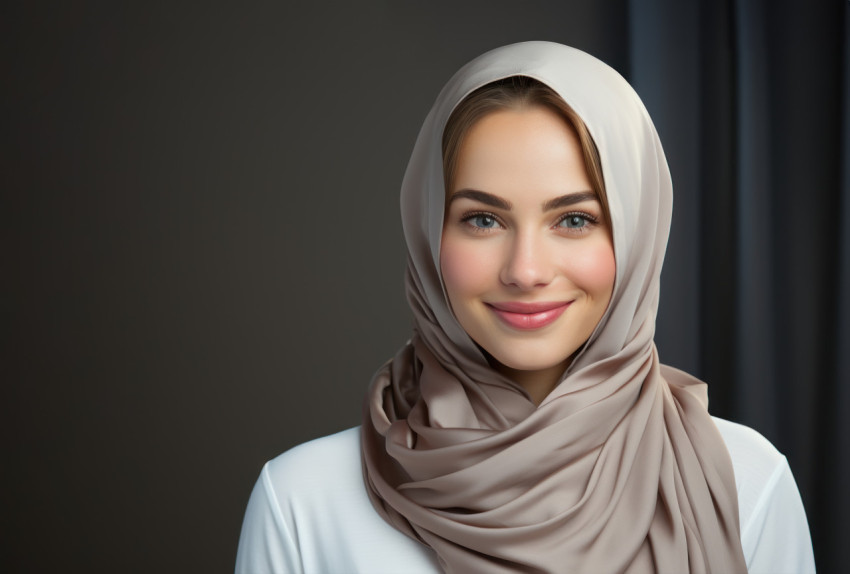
(776, 538)
(267, 544)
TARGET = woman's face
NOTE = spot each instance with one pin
(526, 257)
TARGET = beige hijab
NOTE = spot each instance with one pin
(620, 468)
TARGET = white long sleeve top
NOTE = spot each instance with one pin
(309, 513)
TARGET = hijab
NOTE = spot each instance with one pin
(620, 468)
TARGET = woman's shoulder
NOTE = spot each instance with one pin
(330, 461)
(753, 456)
(312, 498)
(756, 462)
(774, 530)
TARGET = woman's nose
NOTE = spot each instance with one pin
(527, 264)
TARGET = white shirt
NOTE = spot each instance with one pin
(309, 513)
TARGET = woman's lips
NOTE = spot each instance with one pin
(529, 316)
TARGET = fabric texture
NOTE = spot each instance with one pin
(309, 513)
(620, 468)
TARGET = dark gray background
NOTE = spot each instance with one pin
(203, 252)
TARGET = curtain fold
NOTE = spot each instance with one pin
(836, 493)
(752, 101)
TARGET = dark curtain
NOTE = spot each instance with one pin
(184, 185)
(751, 99)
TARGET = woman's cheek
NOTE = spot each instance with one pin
(465, 267)
(593, 268)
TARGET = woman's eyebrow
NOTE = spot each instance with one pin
(569, 199)
(483, 197)
(496, 201)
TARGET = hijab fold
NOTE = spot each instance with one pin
(620, 468)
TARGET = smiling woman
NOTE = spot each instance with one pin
(528, 425)
(528, 264)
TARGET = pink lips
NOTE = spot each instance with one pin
(529, 316)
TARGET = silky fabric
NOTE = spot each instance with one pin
(620, 468)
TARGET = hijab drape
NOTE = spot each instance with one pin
(620, 468)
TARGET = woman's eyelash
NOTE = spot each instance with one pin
(583, 214)
(489, 220)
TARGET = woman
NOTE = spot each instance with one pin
(528, 425)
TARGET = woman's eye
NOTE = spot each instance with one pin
(483, 221)
(574, 221)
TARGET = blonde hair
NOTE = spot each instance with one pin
(517, 92)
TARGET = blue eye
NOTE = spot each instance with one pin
(574, 221)
(483, 221)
